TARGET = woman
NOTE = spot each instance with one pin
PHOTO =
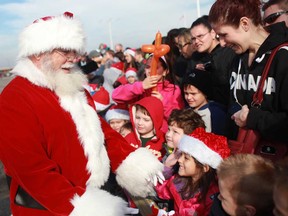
(240, 28)
(217, 60)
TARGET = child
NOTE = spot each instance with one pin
(246, 185)
(195, 184)
(197, 91)
(280, 192)
(131, 75)
(180, 122)
(117, 116)
(167, 92)
(146, 117)
(126, 129)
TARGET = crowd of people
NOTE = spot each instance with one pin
(102, 133)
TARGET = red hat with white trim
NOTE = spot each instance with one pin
(118, 66)
(52, 32)
(131, 72)
(130, 52)
(101, 99)
(207, 148)
(119, 111)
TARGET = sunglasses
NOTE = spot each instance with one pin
(273, 17)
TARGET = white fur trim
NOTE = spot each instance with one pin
(91, 137)
(130, 52)
(130, 73)
(86, 120)
(58, 32)
(133, 172)
(199, 151)
(100, 107)
(98, 202)
(117, 114)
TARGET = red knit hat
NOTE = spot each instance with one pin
(101, 99)
(119, 111)
(207, 148)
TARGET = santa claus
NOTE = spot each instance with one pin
(56, 151)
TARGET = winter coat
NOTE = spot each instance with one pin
(271, 120)
(191, 207)
(172, 98)
(155, 108)
(56, 150)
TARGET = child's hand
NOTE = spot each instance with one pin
(157, 95)
(149, 82)
(171, 160)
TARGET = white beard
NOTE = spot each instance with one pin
(63, 83)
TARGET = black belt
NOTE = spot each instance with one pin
(22, 198)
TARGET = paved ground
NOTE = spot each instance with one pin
(4, 195)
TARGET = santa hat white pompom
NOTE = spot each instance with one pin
(117, 112)
(48, 33)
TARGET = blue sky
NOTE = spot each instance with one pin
(132, 22)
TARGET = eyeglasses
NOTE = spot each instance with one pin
(68, 54)
(180, 46)
(199, 37)
(273, 17)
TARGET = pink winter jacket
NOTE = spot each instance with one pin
(172, 98)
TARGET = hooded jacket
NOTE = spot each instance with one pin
(271, 119)
(172, 98)
(155, 108)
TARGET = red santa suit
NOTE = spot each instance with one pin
(56, 150)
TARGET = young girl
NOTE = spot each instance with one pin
(117, 116)
(167, 92)
(195, 184)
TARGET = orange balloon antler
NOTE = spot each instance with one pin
(158, 50)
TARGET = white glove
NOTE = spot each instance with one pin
(157, 178)
(132, 211)
(162, 212)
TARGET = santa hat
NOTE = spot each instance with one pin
(207, 148)
(118, 66)
(101, 99)
(119, 111)
(200, 79)
(48, 33)
(130, 52)
(131, 72)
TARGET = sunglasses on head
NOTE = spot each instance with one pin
(272, 17)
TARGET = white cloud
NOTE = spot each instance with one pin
(133, 22)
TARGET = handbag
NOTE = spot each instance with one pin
(249, 140)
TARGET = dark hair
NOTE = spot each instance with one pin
(231, 11)
(202, 21)
(283, 4)
(203, 183)
(187, 119)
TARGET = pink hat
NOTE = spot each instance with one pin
(119, 111)
(207, 148)
(101, 99)
(131, 72)
(130, 52)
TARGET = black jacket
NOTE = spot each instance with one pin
(218, 63)
(271, 120)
